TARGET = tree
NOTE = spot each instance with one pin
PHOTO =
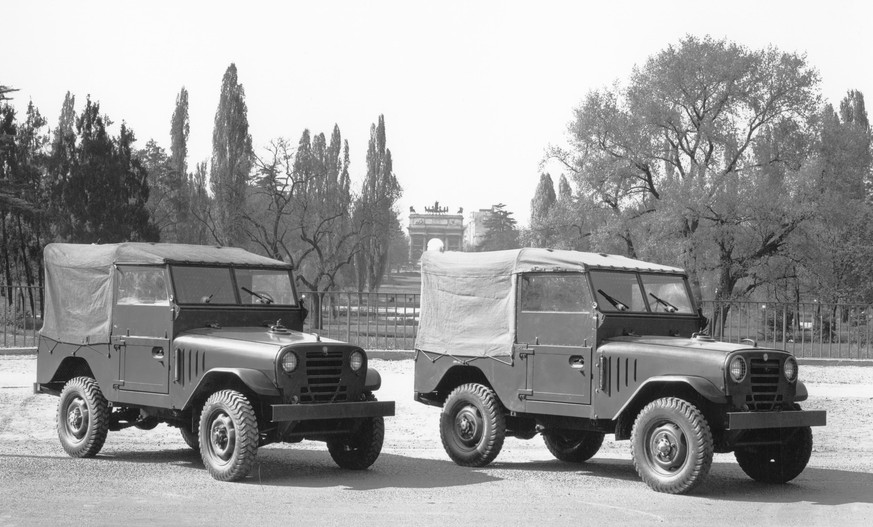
(540, 206)
(100, 191)
(231, 160)
(833, 257)
(500, 230)
(374, 211)
(693, 163)
(5, 90)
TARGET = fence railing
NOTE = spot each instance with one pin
(390, 321)
(806, 329)
(369, 320)
(20, 315)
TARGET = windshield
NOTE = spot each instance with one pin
(224, 285)
(265, 286)
(643, 292)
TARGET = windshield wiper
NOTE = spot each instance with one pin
(617, 304)
(670, 307)
(264, 298)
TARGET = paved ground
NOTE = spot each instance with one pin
(152, 478)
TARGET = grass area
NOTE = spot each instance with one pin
(403, 282)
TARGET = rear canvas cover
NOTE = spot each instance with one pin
(468, 299)
(80, 281)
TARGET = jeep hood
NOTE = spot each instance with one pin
(252, 336)
(701, 348)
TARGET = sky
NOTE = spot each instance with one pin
(473, 92)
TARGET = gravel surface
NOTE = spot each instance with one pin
(153, 478)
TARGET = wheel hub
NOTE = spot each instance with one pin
(467, 425)
(222, 436)
(77, 418)
(667, 447)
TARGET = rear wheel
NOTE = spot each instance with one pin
(191, 438)
(228, 435)
(83, 417)
(671, 445)
(361, 449)
(574, 446)
(472, 425)
(777, 463)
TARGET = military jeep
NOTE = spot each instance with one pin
(205, 339)
(573, 346)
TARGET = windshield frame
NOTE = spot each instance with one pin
(237, 298)
(649, 303)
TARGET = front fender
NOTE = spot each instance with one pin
(223, 378)
(373, 381)
(702, 386)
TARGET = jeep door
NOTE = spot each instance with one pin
(141, 328)
(555, 322)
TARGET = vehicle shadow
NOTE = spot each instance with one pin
(727, 482)
(314, 469)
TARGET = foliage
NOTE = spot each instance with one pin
(500, 230)
(98, 186)
(231, 160)
(540, 206)
(695, 162)
(374, 210)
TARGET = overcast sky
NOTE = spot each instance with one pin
(472, 91)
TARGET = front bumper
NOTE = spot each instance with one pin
(308, 412)
(763, 420)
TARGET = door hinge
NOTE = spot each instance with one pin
(524, 394)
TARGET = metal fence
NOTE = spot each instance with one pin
(21, 314)
(806, 329)
(390, 321)
(370, 320)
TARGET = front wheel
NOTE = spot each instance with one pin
(359, 450)
(228, 435)
(83, 417)
(472, 425)
(777, 463)
(671, 445)
(574, 446)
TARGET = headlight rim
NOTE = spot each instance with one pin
(793, 361)
(744, 369)
(289, 353)
(360, 363)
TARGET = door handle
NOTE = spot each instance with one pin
(158, 353)
(577, 362)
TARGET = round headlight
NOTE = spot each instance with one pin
(790, 369)
(356, 360)
(289, 362)
(738, 369)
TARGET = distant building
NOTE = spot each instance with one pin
(475, 230)
(434, 224)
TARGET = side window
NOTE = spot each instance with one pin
(141, 286)
(555, 292)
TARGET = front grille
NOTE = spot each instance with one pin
(764, 375)
(323, 375)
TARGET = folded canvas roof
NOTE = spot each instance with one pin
(468, 299)
(80, 282)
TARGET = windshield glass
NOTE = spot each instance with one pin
(643, 292)
(666, 293)
(215, 285)
(265, 286)
(617, 291)
(203, 285)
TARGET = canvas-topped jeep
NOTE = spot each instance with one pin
(205, 339)
(576, 345)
